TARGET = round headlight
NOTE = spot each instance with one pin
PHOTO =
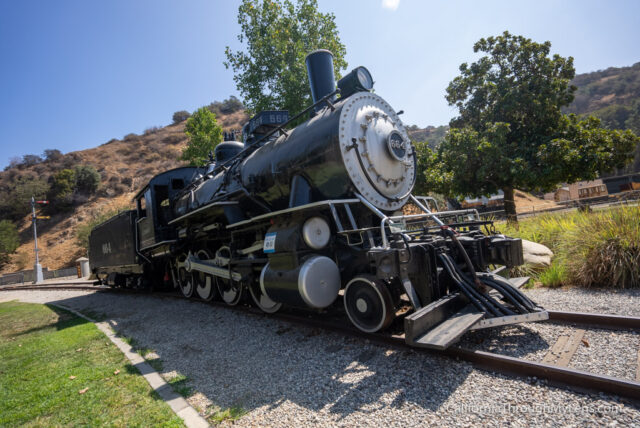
(364, 78)
(358, 80)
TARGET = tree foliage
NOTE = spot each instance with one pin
(204, 135)
(9, 240)
(278, 34)
(511, 131)
(60, 194)
(15, 200)
(87, 179)
(52, 155)
(180, 116)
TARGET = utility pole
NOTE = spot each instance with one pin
(37, 269)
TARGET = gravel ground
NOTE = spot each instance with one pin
(286, 375)
(618, 302)
(608, 352)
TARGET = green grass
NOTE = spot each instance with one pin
(217, 415)
(591, 249)
(41, 347)
(180, 385)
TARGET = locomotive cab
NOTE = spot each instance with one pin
(153, 205)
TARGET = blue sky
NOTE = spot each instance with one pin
(74, 74)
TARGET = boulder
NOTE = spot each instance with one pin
(536, 254)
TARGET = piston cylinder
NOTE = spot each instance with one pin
(315, 283)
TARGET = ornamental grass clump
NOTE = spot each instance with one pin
(605, 250)
(591, 249)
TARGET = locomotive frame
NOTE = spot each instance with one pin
(305, 216)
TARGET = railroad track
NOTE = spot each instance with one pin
(554, 374)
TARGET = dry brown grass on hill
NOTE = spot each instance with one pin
(124, 165)
(526, 202)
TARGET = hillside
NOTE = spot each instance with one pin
(613, 95)
(124, 166)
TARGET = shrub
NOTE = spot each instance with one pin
(9, 240)
(30, 160)
(61, 192)
(87, 179)
(597, 249)
(228, 106)
(172, 139)
(151, 130)
(180, 116)
(130, 137)
(52, 155)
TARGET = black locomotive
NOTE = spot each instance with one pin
(306, 216)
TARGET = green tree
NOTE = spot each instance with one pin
(204, 135)
(87, 179)
(180, 116)
(278, 34)
(9, 240)
(15, 201)
(60, 194)
(511, 132)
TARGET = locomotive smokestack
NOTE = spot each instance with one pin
(320, 71)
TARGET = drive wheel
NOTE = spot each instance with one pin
(230, 291)
(261, 299)
(368, 303)
(185, 279)
(205, 284)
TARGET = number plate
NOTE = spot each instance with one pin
(269, 243)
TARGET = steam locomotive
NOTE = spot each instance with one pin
(317, 217)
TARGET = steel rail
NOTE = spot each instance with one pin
(617, 322)
(573, 379)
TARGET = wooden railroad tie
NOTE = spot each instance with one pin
(562, 351)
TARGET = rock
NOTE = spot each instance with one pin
(536, 254)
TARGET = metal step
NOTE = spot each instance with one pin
(424, 319)
(448, 332)
(519, 282)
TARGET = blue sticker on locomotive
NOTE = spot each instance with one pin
(269, 243)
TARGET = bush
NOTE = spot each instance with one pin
(87, 179)
(52, 155)
(172, 139)
(61, 192)
(180, 116)
(228, 106)
(151, 130)
(597, 249)
(30, 160)
(9, 240)
(131, 137)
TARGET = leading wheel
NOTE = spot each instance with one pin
(185, 279)
(368, 303)
(205, 284)
(230, 290)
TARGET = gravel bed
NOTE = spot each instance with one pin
(285, 375)
(609, 353)
(610, 301)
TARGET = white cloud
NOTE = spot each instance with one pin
(390, 4)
